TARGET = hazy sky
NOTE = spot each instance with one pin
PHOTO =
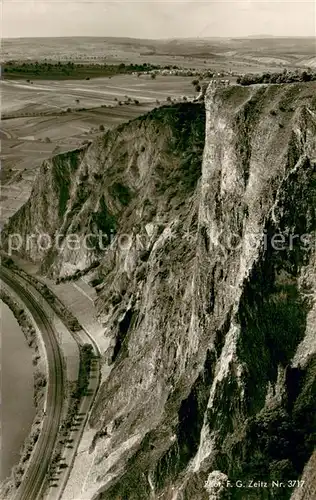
(153, 19)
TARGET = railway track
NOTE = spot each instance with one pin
(34, 477)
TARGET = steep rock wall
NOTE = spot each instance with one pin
(216, 377)
(211, 319)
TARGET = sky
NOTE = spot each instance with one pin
(158, 19)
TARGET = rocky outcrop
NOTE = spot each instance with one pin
(207, 293)
(83, 198)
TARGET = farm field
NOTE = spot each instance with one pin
(36, 123)
(241, 54)
(44, 96)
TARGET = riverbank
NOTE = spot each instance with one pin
(39, 366)
(17, 406)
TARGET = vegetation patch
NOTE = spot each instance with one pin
(186, 123)
(104, 220)
(124, 327)
(77, 390)
(78, 274)
(287, 76)
(68, 70)
(270, 334)
(86, 356)
(62, 176)
(121, 192)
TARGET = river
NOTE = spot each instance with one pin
(17, 408)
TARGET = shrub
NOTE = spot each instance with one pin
(121, 192)
(96, 281)
(284, 77)
(101, 128)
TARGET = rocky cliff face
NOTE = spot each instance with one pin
(129, 176)
(206, 289)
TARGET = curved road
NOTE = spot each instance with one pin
(34, 477)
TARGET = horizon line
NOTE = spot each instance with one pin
(261, 36)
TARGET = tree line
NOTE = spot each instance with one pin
(45, 69)
(285, 77)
